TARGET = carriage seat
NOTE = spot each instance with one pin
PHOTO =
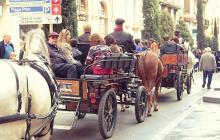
(121, 64)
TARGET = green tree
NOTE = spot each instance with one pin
(214, 43)
(151, 20)
(200, 26)
(166, 26)
(207, 42)
(185, 33)
(69, 17)
(215, 29)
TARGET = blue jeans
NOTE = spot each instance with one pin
(209, 74)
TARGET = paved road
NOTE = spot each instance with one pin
(169, 115)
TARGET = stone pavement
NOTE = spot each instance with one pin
(201, 121)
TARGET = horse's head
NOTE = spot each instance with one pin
(36, 45)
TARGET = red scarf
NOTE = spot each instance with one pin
(118, 28)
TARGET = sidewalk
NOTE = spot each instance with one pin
(202, 122)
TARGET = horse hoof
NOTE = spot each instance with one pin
(149, 114)
(155, 109)
(123, 110)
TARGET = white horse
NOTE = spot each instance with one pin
(31, 115)
(191, 58)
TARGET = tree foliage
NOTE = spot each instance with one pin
(166, 26)
(151, 20)
(215, 29)
(207, 42)
(185, 33)
(200, 26)
(69, 17)
(214, 43)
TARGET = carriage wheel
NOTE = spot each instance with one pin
(140, 104)
(179, 86)
(189, 83)
(107, 114)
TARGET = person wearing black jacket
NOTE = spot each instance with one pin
(6, 47)
(84, 38)
(59, 64)
(123, 38)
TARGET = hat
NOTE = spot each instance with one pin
(177, 33)
(208, 49)
(119, 21)
(53, 34)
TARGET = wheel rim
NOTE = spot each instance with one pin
(109, 114)
(142, 105)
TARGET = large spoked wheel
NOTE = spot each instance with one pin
(141, 104)
(189, 83)
(107, 114)
(179, 86)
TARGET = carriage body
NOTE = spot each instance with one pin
(99, 94)
(175, 73)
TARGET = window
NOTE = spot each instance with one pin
(82, 10)
(187, 6)
(102, 19)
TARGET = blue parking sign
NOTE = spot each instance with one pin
(47, 10)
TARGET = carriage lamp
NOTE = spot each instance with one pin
(92, 98)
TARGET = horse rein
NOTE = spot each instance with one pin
(28, 116)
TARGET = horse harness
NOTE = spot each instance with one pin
(54, 92)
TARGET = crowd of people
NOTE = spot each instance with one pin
(65, 55)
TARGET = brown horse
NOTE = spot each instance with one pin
(150, 70)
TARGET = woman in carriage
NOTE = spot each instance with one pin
(96, 52)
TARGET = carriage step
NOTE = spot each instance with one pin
(63, 127)
(70, 98)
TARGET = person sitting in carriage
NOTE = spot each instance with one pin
(60, 65)
(96, 52)
(170, 46)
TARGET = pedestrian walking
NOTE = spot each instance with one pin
(207, 64)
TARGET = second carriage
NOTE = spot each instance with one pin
(176, 74)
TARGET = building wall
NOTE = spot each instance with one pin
(130, 10)
(9, 25)
(212, 13)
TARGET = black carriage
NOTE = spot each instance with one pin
(175, 74)
(100, 94)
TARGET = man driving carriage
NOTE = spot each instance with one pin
(123, 38)
(170, 46)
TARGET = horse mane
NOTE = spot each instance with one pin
(36, 44)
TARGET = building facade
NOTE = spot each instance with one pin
(101, 14)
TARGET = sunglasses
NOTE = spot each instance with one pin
(54, 37)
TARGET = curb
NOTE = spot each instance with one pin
(212, 96)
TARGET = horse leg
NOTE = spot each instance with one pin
(122, 104)
(149, 104)
(156, 93)
(157, 86)
(148, 85)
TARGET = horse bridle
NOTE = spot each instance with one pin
(28, 116)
